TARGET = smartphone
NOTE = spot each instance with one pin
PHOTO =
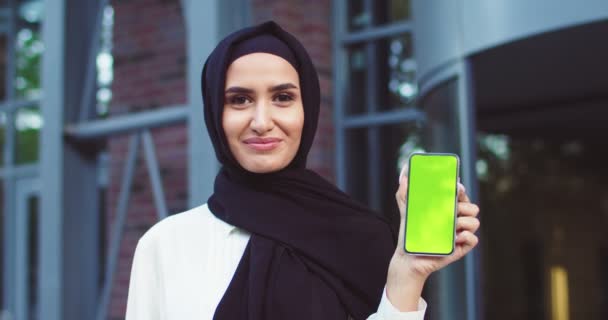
(430, 212)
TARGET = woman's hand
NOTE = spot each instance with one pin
(407, 273)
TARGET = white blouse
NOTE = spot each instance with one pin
(184, 263)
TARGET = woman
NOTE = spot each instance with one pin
(275, 240)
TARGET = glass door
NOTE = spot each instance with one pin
(449, 127)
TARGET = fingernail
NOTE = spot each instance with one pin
(461, 187)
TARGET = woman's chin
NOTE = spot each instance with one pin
(266, 167)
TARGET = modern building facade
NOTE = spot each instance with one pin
(102, 135)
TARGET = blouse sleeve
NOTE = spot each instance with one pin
(144, 288)
(386, 311)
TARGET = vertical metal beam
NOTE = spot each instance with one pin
(468, 132)
(80, 215)
(205, 24)
(154, 173)
(339, 84)
(51, 157)
(118, 227)
(373, 133)
(202, 31)
(21, 262)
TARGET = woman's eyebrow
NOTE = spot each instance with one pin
(280, 87)
(283, 86)
(239, 90)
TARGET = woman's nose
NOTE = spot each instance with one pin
(262, 119)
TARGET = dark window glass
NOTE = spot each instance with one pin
(397, 143)
(382, 12)
(358, 18)
(544, 207)
(390, 11)
(28, 122)
(357, 151)
(392, 147)
(441, 109)
(356, 91)
(32, 204)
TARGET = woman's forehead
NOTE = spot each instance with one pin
(257, 68)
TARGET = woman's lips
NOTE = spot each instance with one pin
(262, 144)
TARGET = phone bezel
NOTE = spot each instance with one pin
(455, 204)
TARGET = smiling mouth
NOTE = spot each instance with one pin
(262, 144)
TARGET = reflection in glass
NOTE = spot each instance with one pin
(28, 122)
(559, 293)
(358, 18)
(105, 63)
(3, 66)
(544, 228)
(356, 91)
(29, 50)
(397, 87)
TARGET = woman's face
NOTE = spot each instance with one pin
(263, 113)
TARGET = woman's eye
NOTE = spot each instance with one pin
(239, 100)
(284, 97)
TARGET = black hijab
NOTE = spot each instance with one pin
(314, 253)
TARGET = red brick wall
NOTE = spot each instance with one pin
(309, 21)
(149, 72)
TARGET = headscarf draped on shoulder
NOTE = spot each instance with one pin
(314, 252)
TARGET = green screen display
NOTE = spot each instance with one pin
(431, 204)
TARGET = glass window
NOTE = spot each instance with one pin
(397, 86)
(441, 109)
(3, 64)
(395, 70)
(390, 11)
(393, 146)
(544, 254)
(357, 163)
(32, 205)
(29, 50)
(356, 90)
(367, 13)
(398, 142)
(28, 122)
(358, 18)
(380, 77)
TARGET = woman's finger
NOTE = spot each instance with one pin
(467, 209)
(467, 224)
(402, 191)
(467, 240)
(462, 193)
